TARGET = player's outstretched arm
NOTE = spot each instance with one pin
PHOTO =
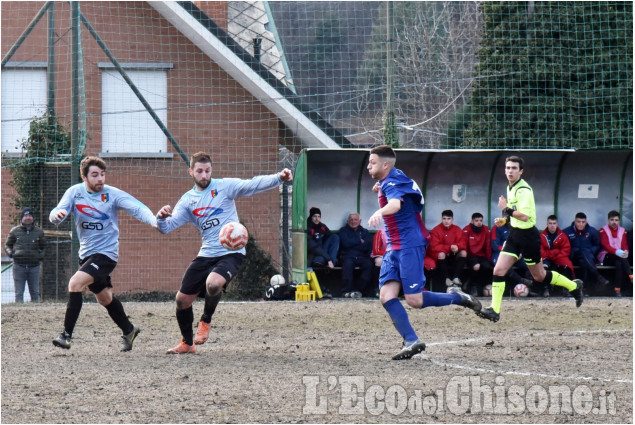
(169, 219)
(135, 208)
(235, 188)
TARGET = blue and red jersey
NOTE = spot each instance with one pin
(405, 228)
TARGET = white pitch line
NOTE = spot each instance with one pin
(590, 331)
(541, 375)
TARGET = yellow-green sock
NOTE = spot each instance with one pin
(498, 289)
(559, 280)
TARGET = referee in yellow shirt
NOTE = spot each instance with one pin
(524, 239)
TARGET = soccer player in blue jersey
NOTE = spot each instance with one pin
(209, 205)
(95, 207)
(400, 202)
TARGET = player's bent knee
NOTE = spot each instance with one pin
(214, 288)
(415, 301)
(76, 285)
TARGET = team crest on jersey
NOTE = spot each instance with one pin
(104, 197)
(214, 193)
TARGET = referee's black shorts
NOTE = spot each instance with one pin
(525, 242)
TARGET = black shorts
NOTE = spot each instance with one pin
(99, 266)
(196, 274)
(525, 242)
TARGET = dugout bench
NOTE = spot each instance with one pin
(465, 181)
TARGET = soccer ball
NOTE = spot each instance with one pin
(233, 236)
(521, 290)
(276, 279)
(487, 291)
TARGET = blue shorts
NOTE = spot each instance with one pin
(405, 266)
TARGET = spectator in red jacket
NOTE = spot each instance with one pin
(449, 248)
(479, 254)
(379, 247)
(555, 250)
(614, 251)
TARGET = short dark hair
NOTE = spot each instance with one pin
(516, 158)
(201, 157)
(580, 215)
(552, 217)
(613, 213)
(447, 213)
(383, 151)
(477, 215)
(88, 162)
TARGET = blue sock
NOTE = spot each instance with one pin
(439, 299)
(399, 317)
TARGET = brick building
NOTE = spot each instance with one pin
(217, 99)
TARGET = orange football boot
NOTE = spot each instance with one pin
(202, 333)
(182, 348)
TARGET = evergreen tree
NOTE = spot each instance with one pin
(554, 75)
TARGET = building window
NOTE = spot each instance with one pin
(23, 98)
(127, 127)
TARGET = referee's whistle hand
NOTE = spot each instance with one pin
(502, 202)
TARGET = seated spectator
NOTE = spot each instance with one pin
(429, 263)
(448, 249)
(479, 255)
(555, 249)
(322, 246)
(513, 276)
(380, 243)
(356, 246)
(615, 251)
(585, 246)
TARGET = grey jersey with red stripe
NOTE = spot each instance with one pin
(210, 209)
(96, 217)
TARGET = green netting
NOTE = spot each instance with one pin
(460, 75)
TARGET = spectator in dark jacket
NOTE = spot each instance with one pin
(356, 245)
(322, 246)
(25, 244)
(585, 246)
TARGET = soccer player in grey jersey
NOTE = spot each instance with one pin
(209, 206)
(95, 207)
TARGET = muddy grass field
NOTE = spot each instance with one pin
(324, 362)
